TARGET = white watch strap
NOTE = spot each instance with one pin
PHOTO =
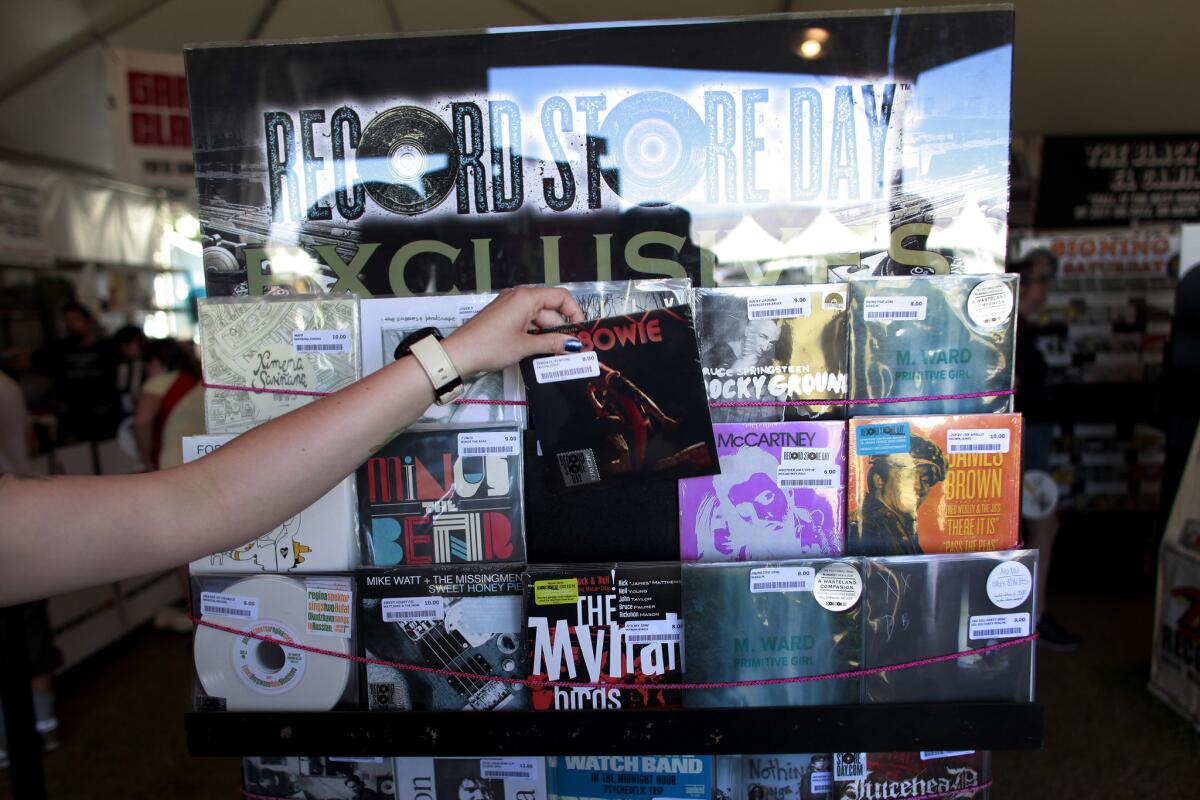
(447, 383)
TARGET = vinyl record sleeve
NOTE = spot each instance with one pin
(907, 776)
(797, 776)
(936, 484)
(321, 538)
(386, 321)
(1175, 662)
(442, 496)
(461, 618)
(634, 777)
(307, 344)
(780, 494)
(930, 337)
(319, 777)
(616, 624)
(924, 606)
(773, 631)
(507, 778)
(599, 299)
(773, 344)
(630, 406)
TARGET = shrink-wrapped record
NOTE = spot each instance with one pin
(321, 538)
(264, 357)
(795, 776)
(599, 299)
(319, 777)
(633, 777)
(438, 778)
(959, 774)
(236, 670)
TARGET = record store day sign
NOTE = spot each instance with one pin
(711, 150)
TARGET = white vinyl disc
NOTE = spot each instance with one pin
(253, 675)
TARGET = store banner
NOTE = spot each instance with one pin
(148, 114)
(1119, 254)
(785, 149)
(1091, 181)
(23, 238)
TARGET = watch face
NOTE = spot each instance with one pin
(405, 346)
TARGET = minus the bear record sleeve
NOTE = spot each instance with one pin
(632, 404)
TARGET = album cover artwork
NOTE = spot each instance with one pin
(772, 619)
(630, 405)
(775, 344)
(924, 606)
(935, 484)
(319, 777)
(617, 624)
(442, 778)
(796, 776)
(600, 299)
(442, 496)
(1174, 669)
(292, 344)
(386, 321)
(592, 524)
(633, 777)
(959, 774)
(931, 337)
(780, 494)
(461, 618)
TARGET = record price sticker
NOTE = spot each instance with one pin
(318, 342)
(977, 440)
(998, 626)
(782, 579)
(556, 591)
(234, 606)
(654, 631)
(468, 310)
(894, 307)
(780, 305)
(804, 468)
(413, 609)
(569, 367)
(930, 755)
(821, 780)
(491, 769)
(489, 443)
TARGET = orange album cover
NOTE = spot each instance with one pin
(933, 484)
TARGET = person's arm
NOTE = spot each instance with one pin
(68, 532)
(148, 405)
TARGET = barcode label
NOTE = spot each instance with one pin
(522, 768)
(489, 443)
(998, 626)
(654, 631)
(779, 305)
(978, 440)
(849, 766)
(572, 366)
(821, 780)
(930, 755)
(894, 307)
(321, 341)
(781, 579)
(235, 606)
(355, 760)
(413, 609)
(468, 310)
(803, 468)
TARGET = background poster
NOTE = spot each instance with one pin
(148, 113)
(471, 162)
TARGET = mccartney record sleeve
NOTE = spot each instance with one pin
(773, 619)
(462, 618)
(957, 774)
(321, 538)
(630, 405)
(274, 345)
(933, 484)
(442, 496)
(386, 321)
(319, 777)
(796, 776)
(630, 777)
(775, 344)
(506, 778)
(924, 606)
(238, 672)
(780, 494)
(930, 337)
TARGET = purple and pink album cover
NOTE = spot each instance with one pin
(780, 494)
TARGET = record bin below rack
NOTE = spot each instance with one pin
(863, 728)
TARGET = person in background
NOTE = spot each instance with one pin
(82, 368)
(130, 344)
(1037, 269)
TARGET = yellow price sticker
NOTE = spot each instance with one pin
(556, 592)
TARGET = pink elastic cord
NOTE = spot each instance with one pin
(461, 401)
(855, 673)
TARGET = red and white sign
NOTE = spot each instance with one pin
(152, 133)
(1118, 253)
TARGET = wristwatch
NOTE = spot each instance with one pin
(426, 346)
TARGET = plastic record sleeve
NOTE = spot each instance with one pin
(253, 675)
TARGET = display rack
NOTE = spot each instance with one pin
(871, 728)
